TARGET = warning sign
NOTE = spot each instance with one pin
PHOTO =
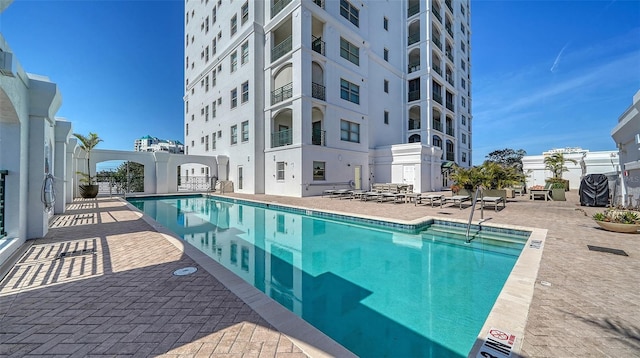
(497, 344)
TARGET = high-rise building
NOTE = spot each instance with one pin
(295, 97)
(155, 144)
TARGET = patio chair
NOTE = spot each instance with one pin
(456, 199)
(493, 200)
(430, 198)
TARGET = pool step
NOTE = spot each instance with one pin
(485, 240)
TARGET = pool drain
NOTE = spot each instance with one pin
(185, 271)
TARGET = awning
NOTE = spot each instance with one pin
(448, 165)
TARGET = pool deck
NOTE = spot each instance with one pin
(115, 294)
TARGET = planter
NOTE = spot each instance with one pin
(88, 191)
(557, 194)
(616, 227)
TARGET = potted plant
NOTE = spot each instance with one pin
(618, 220)
(88, 186)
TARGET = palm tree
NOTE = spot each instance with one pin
(87, 144)
(555, 163)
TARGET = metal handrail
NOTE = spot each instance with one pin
(473, 208)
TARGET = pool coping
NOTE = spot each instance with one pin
(508, 314)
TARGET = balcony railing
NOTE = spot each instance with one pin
(437, 69)
(280, 49)
(451, 156)
(414, 66)
(282, 93)
(414, 124)
(437, 97)
(278, 6)
(413, 38)
(319, 3)
(318, 91)
(450, 130)
(3, 189)
(414, 95)
(436, 40)
(317, 45)
(437, 125)
(450, 106)
(413, 9)
(436, 12)
(318, 137)
(281, 138)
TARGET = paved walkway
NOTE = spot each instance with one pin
(114, 294)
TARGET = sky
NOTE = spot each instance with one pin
(545, 74)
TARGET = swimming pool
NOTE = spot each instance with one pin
(377, 291)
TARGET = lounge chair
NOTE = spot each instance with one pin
(493, 200)
(341, 193)
(456, 199)
(371, 195)
(328, 192)
(396, 197)
(429, 198)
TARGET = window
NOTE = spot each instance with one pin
(206, 143)
(213, 109)
(349, 52)
(214, 15)
(245, 92)
(464, 138)
(350, 12)
(462, 28)
(386, 86)
(244, 53)
(386, 55)
(280, 171)
(463, 83)
(349, 91)
(318, 171)
(385, 23)
(463, 65)
(187, 129)
(206, 54)
(464, 102)
(464, 157)
(206, 113)
(206, 84)
(213, 78)
(349, 131)
(234, 134)
(464, 120)
(234, 98)
(245, 131)
(386, 117)
(234, 61)
(206, 26)
(463, 47)
(234, 24)
(214, 46)
(213, 141)
(245, 12)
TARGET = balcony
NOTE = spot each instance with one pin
(414, 95)
(451, 156)
(449, 78)
(317, 45)
(278, 6)
(318, 137)
(282, 93)
(413, 9)
(449, 31)
(448, 3)
(280, 49)
(281, 138)
(436, 41)
(450, 130)
(413, 67)
(437, 125)
(414, 124)
(413, 38)
(450, 106)
(437, 69)
(318, 91)
(436, 12)
(319, 3)
(437, 97)
(450, 56)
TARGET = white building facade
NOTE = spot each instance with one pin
(303, 96)
(155, 144)
(626, 135)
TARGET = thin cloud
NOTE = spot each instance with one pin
(556, 62)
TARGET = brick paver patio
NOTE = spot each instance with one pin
(114, 292)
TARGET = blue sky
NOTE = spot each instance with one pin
(545, 74)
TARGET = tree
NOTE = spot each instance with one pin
(129, 176)
(556, 164)
(507, 157)
(87, 143)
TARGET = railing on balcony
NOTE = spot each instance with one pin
(436, 11)
(317, 45)
(280, 49)
(450, 106)
(3, 189)
(437, 97)
(413, 38)
(278, 6)
(319, 3)
(318, 137)
(414, 66)
(413, 9)
(437, 125)
(282, 93)
(448, 3)
(437, 69)
(414, 124)
(318, 91)
(436, 40)
(281, 138)
(414, 95)
(450, 130)
(450, 56)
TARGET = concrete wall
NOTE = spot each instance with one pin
(626, 136)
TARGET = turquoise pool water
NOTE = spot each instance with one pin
(377, 291)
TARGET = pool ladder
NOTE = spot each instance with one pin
(473, 209)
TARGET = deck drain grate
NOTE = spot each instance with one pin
(607, 250)
(75, 253)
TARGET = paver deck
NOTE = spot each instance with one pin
(114, 293)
